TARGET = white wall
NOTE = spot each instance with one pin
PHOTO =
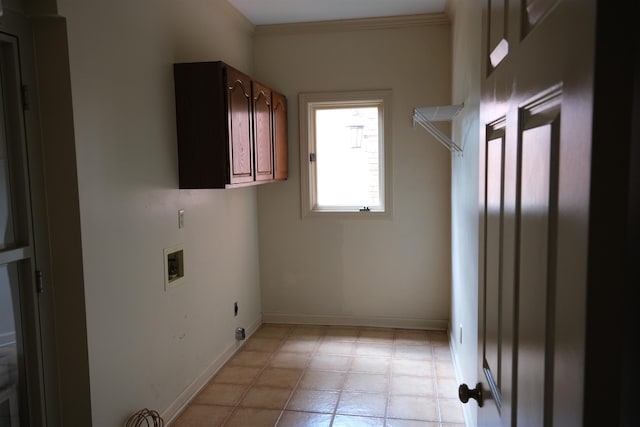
(466, 32)
(147, 347)
(393, 272)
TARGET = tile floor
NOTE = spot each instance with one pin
(300, 375)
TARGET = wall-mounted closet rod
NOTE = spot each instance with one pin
(420, 119)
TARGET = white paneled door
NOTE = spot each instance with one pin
(536, 113)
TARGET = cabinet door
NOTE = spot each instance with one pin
(238, 87)
(281, 166)
(263, 143)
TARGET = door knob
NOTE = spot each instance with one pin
(464, 393)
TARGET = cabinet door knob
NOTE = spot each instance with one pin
(464, 393)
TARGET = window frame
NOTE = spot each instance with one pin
(308, 103)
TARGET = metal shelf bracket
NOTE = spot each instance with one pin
(425, 116)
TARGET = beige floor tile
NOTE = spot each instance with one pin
(374, 349)
(304, 419)
(309, 331)
(322, 380)
(314, 401)
(283, 359)
(245, 417)
(338, 333)
(370, 365)
(330, 362)
(444, 369)
(364, 404)
(203, 416)
(442, 353)
(410, 423)
(236, 375)
(422, 368)
(353, 421)
(221, 394)
(412, 386)
(256, 359)
(451, 411)
(413, 407)
(447, 388)
(332, 376)
(298, 345)
(377, 335)
(371, 383)
(263, 344)
(266, 398)
(411, 338)
(273, 331)
(413, 352)
(279, 377)
(332, 347)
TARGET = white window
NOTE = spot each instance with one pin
(345, 153)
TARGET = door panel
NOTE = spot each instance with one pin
(533, 12)
(533, 275)
(495, 306)
(280, 156)
(497, 28)
(262, 131)
(239, 102)
(537, 206)
(534, 240)
(493, 283)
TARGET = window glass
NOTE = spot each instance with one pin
(348, 157)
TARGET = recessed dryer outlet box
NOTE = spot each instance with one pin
(173, 267)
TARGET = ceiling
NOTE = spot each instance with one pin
(264, 12)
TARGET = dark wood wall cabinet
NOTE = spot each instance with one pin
(232, 131)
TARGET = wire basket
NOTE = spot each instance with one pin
(145, 418)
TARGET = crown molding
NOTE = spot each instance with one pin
(383, 23)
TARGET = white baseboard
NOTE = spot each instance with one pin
(466, 409)
(372, 321)
(171, 413)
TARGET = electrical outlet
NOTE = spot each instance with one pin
(235, 308)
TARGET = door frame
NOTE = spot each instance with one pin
(612, 372)
(39, 325)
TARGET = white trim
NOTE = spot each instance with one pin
(382, 23)
(184, 399)
(308, 103)
(373, 321)
(466, 409)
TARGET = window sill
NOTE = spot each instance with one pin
(350, 215)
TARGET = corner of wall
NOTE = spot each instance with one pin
(466, 79)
